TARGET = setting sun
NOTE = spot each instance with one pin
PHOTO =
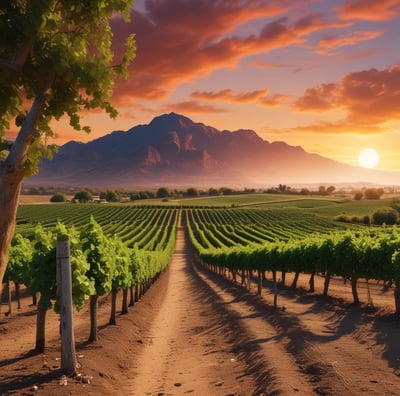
(368, 158)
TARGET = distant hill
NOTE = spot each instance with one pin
(174, 151)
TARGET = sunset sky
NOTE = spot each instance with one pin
(324, 75)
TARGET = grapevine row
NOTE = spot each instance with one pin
(369, 253)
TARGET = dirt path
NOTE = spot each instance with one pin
(312, 346)
(196, 333)
(189, 347)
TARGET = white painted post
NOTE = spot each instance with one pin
(68, 355)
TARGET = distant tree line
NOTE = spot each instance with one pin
(88, 195)
(284, 189)
(368, 193)
(165, 193)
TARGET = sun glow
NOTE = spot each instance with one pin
(368, 158)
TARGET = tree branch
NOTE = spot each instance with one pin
(18, 62)
(28, 132)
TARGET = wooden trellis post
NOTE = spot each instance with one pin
(64, 290)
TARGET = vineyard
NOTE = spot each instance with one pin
(119, 250)
(253, 237)
(112, 248)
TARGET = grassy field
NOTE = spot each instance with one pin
(37, 199)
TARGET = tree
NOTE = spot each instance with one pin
(111, 196)
(388, 216)
(58, 198)
(358, 195)
(83, 196)
(55, 60)
(373, 193)
(192, 192)
(163, 192)
(330, 189)
(213, 192)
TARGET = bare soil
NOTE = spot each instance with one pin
(194, 333)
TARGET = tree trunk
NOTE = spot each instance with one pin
(260, 281)
(295, 280)
(10, 187)
(113, 320)
(326, 283)
(124, 308)
(311, 283)
(370, 302)
(34, 299)
(243, 273)
(397, 298)
(9, 299)
(354, 279)
(40, 328)
(93, 318)
(137, 293)
(12, 174)
(18, 294)
(131, 296)
(275, 288)
(283, 278)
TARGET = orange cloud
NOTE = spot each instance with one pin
(180, 41)
(229, 96)
(177, 43)
(314, 22)
(274, 101)
(191, 107)
(339, 127)
(256, 97)
(327, 44)
(370, 98)
(261, 64)
(371, 94)
(321, 98)
(373, 10)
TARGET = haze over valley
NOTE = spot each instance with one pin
(175, 151)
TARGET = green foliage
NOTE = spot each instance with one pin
(58, 198)
(100, 256)
(111, 196)
(358, 195)
(83, 196)
(43, 267)
(123, 276)
(388, 216)
(61, 52)
(82, 286)
(192, 192)
(373, 193)
(19, 260)
(163, 192)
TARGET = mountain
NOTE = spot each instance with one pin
(174, 151)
